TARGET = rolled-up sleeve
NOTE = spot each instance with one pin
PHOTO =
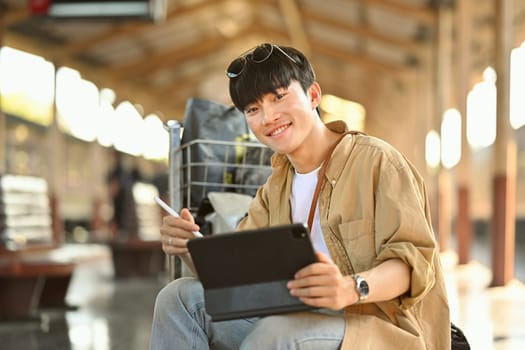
(402, 226)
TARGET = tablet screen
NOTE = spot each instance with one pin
(252, 256)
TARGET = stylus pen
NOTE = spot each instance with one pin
(172, 212)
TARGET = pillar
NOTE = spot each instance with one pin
(504, 175)
(464, 168)
(3, 136)
(443, 101)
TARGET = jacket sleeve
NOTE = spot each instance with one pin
(403, 227)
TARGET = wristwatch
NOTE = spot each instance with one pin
(361, 286)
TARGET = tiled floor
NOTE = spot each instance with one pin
(491, 318)
(116, 314)
(110, 313)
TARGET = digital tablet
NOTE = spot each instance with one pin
(244, 274)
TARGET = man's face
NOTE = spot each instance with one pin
(282, 120)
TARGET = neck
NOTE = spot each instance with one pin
(314, 150)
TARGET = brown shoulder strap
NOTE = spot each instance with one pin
(321, 176)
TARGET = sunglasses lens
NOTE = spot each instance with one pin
(261, 53)
(258, 55)
(236, 67)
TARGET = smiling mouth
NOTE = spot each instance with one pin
(279, 130)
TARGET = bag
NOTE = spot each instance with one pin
(209, 120)
(459, 341)
(253, 167)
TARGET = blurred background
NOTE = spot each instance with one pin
(87, 89)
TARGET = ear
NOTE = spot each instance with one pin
(314, 93)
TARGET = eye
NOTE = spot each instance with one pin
(280, 94)
(250, 110)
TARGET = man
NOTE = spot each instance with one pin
(378, 279)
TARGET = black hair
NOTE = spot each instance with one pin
(278, 71)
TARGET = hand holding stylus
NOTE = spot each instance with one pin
(172, 212)
(168, 245)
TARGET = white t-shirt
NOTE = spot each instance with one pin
(303, 188)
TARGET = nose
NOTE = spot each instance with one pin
(270, 114)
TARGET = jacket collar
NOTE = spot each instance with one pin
(280, 159)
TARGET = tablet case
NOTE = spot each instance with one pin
(244, 274)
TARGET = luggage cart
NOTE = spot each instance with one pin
(202, 166)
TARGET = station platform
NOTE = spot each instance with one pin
(115, 313)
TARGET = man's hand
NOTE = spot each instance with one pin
(321, 284)
(175, 232)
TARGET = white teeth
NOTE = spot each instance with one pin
(279, 130)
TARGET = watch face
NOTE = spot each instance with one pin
(363, 287)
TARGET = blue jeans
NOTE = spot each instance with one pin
(180, 322)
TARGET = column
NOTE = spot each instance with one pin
(3, 136)
(464, 169)
(443, 101)
(3, 142)
(504, 176)
(55, 176)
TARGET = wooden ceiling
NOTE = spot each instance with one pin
(161, 65)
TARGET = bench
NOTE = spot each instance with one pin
(31, 276)
(137, 257)
(31, 281)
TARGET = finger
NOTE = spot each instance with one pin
(320, 296)
(319, 268)
(182, 223)
(318, 279)
(176, 227)
(174, 245)
(312, 291)
(315, 268)
(172, 250)
(322, 257)
(186, 215)
(315, 296)
(321, 302)
(329, 302)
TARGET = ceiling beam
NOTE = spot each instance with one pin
(426, 15)
(412, 46)
(131, 81)
(126, 29)
(344, 56)
(15, 14)
(363, 61)
(117, 31)
(364, 31)
(171, 58)
(185, 81)
(294, 24)
(178, 55)
(321, 48)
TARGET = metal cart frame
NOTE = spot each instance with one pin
(234, 166)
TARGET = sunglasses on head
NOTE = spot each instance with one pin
(258, 54)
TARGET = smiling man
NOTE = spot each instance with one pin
(378, 280)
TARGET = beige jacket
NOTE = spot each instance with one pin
(373, 207)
